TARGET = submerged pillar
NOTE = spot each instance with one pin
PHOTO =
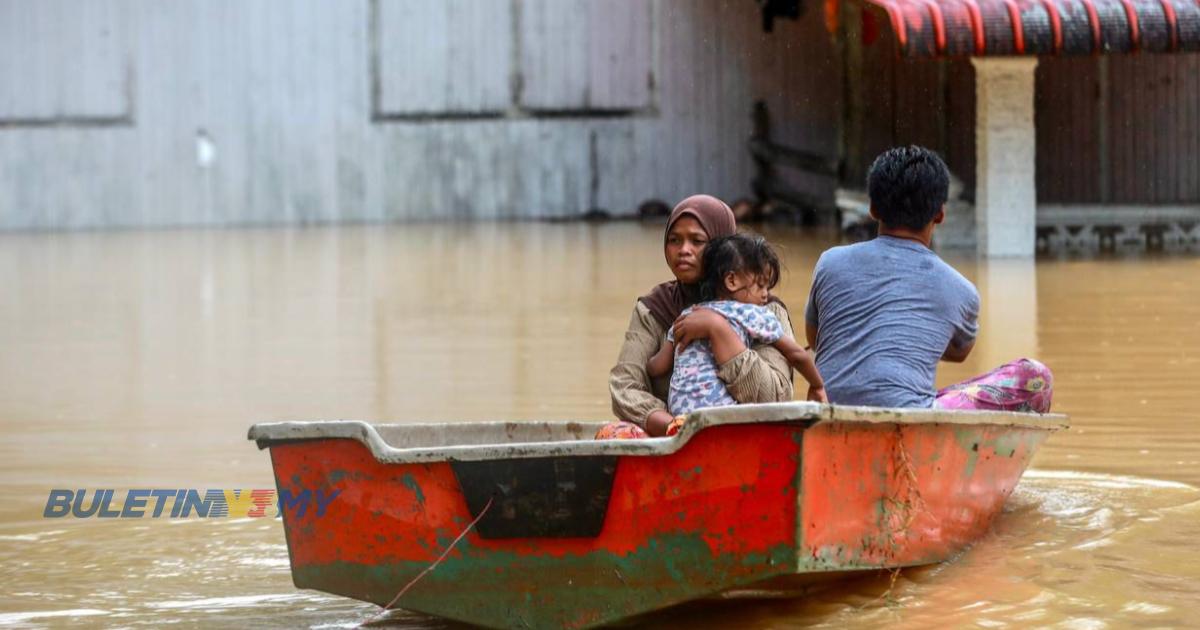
(1005, 152)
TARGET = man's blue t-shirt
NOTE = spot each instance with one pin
(885, 312)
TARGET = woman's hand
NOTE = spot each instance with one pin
(817, 394)
(703, 323)
(698, 324)
(658, 422)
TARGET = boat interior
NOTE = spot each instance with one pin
(431, 435)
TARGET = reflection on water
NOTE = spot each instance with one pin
(139, 360)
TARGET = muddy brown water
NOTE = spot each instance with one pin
(139, 359)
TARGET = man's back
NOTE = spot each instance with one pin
(885, 312)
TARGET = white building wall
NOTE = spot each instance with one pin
(118, 113)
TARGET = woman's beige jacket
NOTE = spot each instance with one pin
(759, 374)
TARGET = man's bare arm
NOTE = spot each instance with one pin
(957, 354)
(810, 334)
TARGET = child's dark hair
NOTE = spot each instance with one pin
(737, 253)
(908, 186)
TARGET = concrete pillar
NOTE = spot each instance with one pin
(1005, 144)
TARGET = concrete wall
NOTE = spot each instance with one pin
(119, 113)
(1121, 129)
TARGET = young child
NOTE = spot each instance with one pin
(739, 272)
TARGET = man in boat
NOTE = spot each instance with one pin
(882, 313)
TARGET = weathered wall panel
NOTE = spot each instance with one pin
(960, 120)
(63, 61)
(311, 112)
(879, 116)
(447, 57)
(586, 54)
(920, 103)
(914, 101)
(1122, 129)
(1154, 129)
(1068, 113)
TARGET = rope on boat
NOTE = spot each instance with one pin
(913, 502)
(433, 566)
(910, 504)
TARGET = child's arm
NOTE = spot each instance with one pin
(802, 361)
(661, 363)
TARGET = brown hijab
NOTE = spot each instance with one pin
(667, 300)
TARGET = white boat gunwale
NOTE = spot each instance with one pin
(798, 412)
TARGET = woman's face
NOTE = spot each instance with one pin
(685, 246)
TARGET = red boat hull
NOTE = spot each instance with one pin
(734, 504)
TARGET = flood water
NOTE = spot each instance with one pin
(139, 359)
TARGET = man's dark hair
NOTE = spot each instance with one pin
(737, 253)
(908, 186)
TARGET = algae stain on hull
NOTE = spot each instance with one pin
(505, 589)
(412, 484)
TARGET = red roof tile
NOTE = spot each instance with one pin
(956, 28)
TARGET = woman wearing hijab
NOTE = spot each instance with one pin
(758, 374)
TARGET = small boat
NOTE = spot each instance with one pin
(535, 524)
